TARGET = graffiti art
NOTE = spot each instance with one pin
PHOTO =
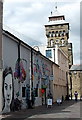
(7, 89)
(20, 72)
(41, 70)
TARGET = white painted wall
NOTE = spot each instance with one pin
(43, 49)
(10, 52)
(10, 56)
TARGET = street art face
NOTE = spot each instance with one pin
(7, 89)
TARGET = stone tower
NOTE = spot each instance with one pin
(57, 33)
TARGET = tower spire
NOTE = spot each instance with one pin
(56, 6)
(51, 12)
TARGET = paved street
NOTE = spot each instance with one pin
(68, 110)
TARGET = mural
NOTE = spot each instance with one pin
(20, 72)
(37, 71)
(7, 89)
(40, 70)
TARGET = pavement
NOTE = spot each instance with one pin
(68, 110)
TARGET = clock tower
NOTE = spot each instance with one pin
(57, 33)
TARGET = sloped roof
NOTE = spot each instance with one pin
(76, 68)
(57, 22)
(13, 36)
(56, 13)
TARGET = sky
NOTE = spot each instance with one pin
(28, 17)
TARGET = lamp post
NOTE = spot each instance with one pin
(70, 75)
(67, 86)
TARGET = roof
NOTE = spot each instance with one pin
(16, 38)
(56, 13)
(58, 22)
(76, 68)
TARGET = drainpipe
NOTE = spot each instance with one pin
(31, 74)
(67, 86)
(71, 86)
(19, 67)
(19, 58)
(70, 75)
(31, 70)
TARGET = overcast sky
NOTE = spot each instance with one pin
(29, 17)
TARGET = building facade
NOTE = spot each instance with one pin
(76, 80)
(57, 33)
(60, 70)
(16, 63)
(22, 67)
(42, 70)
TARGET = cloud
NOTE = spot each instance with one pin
(29, 17)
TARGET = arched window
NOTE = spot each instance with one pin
(64, 32)
(56, 33)
(49, 34)
(51, 42)
(53, 34)
(63, 41)
(60, 33)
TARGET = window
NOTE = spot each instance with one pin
(60, 33)
(49, 53)
(53, 33)
(49, 34)
(64, 32)
(51, 42)
(23, 91)
(56, 33)
(36, 92)
(63, 41)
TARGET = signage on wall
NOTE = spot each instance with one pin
(51, 77)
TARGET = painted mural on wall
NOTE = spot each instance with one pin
(7, 89)
(20, 70)
(41, 70)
